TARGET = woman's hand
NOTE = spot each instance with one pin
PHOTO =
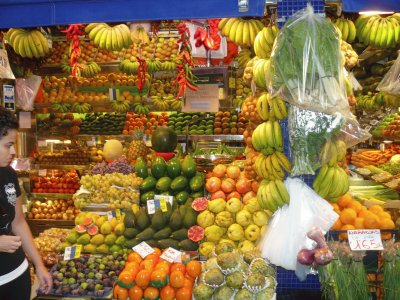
(9, 243)
(45, 280)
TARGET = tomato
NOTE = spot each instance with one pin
(177, 279)
(120, 293)
(167, 293)
(151, 293)
(183, 293)
(143, 278)
(193, 268)
(135, 293)
(178, 267)
(133, 256)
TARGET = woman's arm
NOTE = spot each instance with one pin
(20, 228)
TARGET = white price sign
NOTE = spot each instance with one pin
(365, 239)
(42, 172)
(72, 252)
(143, 249)
(172, 255)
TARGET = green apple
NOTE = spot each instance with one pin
(260, 218)
(252, 232)
(243, 218)
(246, 246)
(253, 205)
(235, 232)
(233, 205)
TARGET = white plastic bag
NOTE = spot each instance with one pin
(288, 228)
(26, 90)
(391, 81)
(5, 69)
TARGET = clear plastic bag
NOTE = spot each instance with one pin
(391, 81)
(306, 64)
(288, 228)
(26, 90)
(5, 69)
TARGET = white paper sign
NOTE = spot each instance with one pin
(143, 249)
(42, 172)
(42, 143)
(152, 205)
(172, 255)
(365, 239)
(72, 252)
(205, 99)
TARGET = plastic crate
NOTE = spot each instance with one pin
(287, 280)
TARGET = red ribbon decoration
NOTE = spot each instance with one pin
(73, 32)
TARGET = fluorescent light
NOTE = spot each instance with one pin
(53, 141)
(376, 12)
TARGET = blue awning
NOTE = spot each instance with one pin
(370, 5)
(29, 13)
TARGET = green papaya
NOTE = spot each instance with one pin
(158, 221)
(162, 234)
(141, 168)
(153, 243)
(179, 183)
(130, 233)
(163, 184)
(188, 166)
(146, 234)
(181, 197)
(166, 243)
(147, 196)
(159, 167)
(196, 183)
(148, 184)
(190, 218)
(142, 219)
(174, 167)
(131, 243)
(180, 234)
(182, 209)
(175, 221)
(188, 245)
(196, 195)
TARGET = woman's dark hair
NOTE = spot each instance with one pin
(7, 121)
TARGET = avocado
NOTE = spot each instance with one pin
(158, 221)
(162, 233)
(180, 234)
(175, 221)
(146, 234)
(142, 219)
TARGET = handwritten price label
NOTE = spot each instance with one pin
(143, 249)
(114, 214)
(365, 239)
(72, 252)
(172, 255)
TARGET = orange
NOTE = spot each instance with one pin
(375, 209)
(178, 267)
(167, 293)
(345, 200)
(120, 292)
(348, 216)
(183, 294)
(384, 215)
(159, 276)
(147, 265)
(151, 293)
(163, 266)
(359, 223)
(157, 251)
(126, 277)
(335, 206)
(176, 279)
(337, 225)
(193, 268)
(133, 267)
(345, 227)
(356, 206)
(135, 293)
(371, 221)
(385, 223)
(143, 278)
(188, 282)
(133, 256)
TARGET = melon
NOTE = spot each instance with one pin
(112, 150)
(164, 139)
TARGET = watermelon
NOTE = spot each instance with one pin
(164, 139)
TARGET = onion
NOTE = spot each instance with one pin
(323, 256)
(316, 235)
(306, 257)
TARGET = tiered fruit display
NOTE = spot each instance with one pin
(332, 181)
(155, 278)
(75, 156)
(226, 122)
(354, 215)
(175, 227)
(103, 123)
(389, 127)
(347, 29)
(56, 181)
(97, 234)
(58, 123)
(195, 123)
(87, 276)
(116, 189)
(26, 43)
(363, 158)
(230, 275)
(241, 32)
(57, 209)
(377, 31)
(49, 242)
(148, 122)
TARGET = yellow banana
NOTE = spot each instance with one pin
(318, 179)
(390, 34)
(269, 133)
(282, 191)
(284, 161)
(259, 24)
(28, 51)
(246, 34)
(345, 30)
(278, 141)
(108, 38)
(222, 23)
(18, 40)
(96, 29)
(98, 36)
(239, 33)
(384, 28)
(32, 46)
(225, 31)
(232, 31)
(352, 31)
(374, 31)
(253, 31)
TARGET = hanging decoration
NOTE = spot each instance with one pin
(210, 39)
(73, 32)
(141, 73)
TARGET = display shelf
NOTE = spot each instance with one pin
(39, 225)
(56, 68)
(51, 195)
(61, 167)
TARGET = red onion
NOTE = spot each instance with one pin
(305, 257)
(316, 235)
(323, 256)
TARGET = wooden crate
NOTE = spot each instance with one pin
(38, 226)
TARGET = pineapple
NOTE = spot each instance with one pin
(137, 147)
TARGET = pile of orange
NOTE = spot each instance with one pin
(155, 278)
(354, 215)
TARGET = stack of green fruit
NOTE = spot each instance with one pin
(176, 178)
(200, 123)
(103, 123)
(97, 234)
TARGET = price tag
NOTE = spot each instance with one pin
(42, 172)
(72, 252)
(114, 214)
(172, 255)
(143, 249)
(170, 199)
(90, 143)
(365, 239)
(42, 144)
(152, 205)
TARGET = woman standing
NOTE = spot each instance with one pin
(15, 235)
